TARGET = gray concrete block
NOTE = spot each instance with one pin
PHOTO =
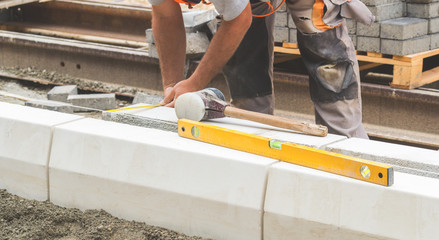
(421, 1)
(293, 35)
(51, 105)
(291, 23)
(196, 43)
(405, 47)
(192, 19)
(388, 11)
(354, 40)
(378, 2)
(420, 10)
(149, 36)
(404, 28)
(283, 7)
(407, 159)
(140, 121)
(368, 44)
(369, 31)
(433, 25)
(281, 19)
(152, 51)
(434, 43)
(352, 26)
(104, 101)
(281, 34)
(141, 97)
(60, 93)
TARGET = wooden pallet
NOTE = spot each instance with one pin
(407, 70)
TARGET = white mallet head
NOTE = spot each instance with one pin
(190, 106)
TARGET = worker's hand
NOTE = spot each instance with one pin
(172, 93)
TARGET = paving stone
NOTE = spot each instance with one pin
(434, 43)
(281, 34)
(433, 25)
(369, 31)
(149, 36)
(404, 28)
(354, 40)
(196, 45)
(104, 101)
(405, 47)
(51, 105)
(378, 2)
(423, 162)
(388, 11)
(429, 10)
(283, 7)
(352, 26)
(152, 51)
(291, 23)
(368, 44)
(60, 93)
(293, 35)
(281, 19)
(421, 1)
(193, 19)
(141, 97)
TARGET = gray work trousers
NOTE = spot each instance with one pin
(327, 52)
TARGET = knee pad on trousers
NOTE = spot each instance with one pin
(331, 70)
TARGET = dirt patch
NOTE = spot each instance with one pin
(28, 219)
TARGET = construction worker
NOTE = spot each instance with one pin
(328, 54)
(169, 36)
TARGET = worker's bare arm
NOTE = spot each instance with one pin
(170, 39)
(221, 48)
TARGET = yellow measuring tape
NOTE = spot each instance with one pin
(336, 163)
(130, 108)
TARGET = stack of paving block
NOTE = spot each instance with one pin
(200, 27)
(66, 99)
(402, 27)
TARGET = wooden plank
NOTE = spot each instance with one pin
(369, 66)
(290, 45)
(286, 58)
(407, 77)
(429, 76)
(373, 54)
(383, 60)
(415, 56)
(287, 50)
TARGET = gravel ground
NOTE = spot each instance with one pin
(35, 220)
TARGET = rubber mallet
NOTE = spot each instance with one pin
(210, 103)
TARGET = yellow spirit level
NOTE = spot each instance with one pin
(336, 163)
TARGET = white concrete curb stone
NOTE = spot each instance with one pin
(25, 141)
(159, 178)
(302, 203)
(419, 161)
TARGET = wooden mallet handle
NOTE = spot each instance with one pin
(281, 122)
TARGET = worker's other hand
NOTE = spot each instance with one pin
(172, 93)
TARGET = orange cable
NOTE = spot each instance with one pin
(270, 6)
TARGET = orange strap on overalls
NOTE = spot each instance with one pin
(192, 3)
